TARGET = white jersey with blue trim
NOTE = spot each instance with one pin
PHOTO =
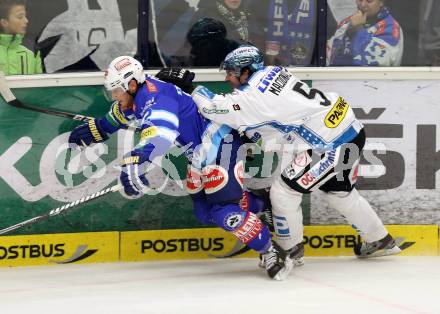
(276, 108)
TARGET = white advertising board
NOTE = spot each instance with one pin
(402, 121)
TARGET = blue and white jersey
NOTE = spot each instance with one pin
(377, 43)
(169, 116)
(275, 109)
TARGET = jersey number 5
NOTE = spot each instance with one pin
(311, 94)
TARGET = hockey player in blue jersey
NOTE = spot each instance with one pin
(215, 171)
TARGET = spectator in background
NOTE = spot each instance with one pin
(14, 57)
(240, 24)
(289, 28)
(209, 45)
(370, 37)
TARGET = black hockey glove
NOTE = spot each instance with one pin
(88, 133)
(178, 76)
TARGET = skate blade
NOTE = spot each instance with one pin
(297, 262)
(285, 271)
(392, 251)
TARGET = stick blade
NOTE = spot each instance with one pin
(4, 89)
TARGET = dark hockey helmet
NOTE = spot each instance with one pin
(206, 28)
(245, 56)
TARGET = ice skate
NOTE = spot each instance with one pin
(277, 262)
(296, 254)
(386, 246)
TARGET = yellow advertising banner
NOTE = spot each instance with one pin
(340, 240)
(49, 249)
(319, 241)
(93, 247)
(179, 244)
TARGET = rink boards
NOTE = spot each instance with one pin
(178, 244)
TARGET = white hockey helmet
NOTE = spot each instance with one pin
(121, 71)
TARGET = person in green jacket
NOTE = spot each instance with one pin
(14, 57)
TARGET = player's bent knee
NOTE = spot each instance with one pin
(245, 225)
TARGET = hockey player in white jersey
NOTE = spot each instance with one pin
(317, 131)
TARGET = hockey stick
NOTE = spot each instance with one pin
(61, 209)
(11, 100)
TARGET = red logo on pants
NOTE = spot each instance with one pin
(239, 172)
(244, 202)
(214, 178)
(193, 180)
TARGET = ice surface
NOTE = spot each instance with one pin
(394, 284)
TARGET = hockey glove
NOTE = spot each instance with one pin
(85, 134)
(180, 77)
(134, 168)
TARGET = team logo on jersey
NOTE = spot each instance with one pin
(193, 180)
(236, 107)
(233, 220)
(151, 87)
(239, 172)
(336, 114)
(214, 178)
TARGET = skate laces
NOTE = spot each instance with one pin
(270, 258)
(278, 264)
(296, 254)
